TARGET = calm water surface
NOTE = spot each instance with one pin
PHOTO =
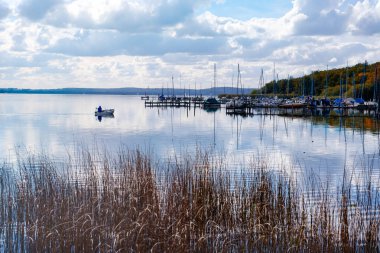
(55, 124)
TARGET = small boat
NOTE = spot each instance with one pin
(236, 103)
(105, 112)
(292, 104)
(211, 102)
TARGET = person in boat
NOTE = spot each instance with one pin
(99, 109)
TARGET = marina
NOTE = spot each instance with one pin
(272, 106)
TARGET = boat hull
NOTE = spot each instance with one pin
(108, 112)
(296, 105)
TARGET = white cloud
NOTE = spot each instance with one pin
(83, 42)
(126, 16)
(36, 9)
(366, 17)
(320, 17)
(4, 10)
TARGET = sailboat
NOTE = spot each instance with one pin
(238, 102)
(211, 102)
(370, 105)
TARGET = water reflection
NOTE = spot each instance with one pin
(105, 116)
(210, 109)
(320, 140)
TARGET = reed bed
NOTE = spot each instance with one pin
(130, 203)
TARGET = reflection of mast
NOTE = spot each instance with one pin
(237, 132)
(214, 131)
(378, 135)
(171, 122)
(262, 124)
(326, 126)
(286, 127)
(362, 134)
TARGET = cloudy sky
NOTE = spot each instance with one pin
(132, 43)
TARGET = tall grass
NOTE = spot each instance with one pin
(130, 203)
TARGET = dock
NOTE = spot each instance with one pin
(251, 108)
(173, 103)
(302, 112)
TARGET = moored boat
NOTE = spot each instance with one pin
(211, 102)
(292, 104)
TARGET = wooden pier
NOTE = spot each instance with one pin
(302, 112)
(251, 109)
(173, 103)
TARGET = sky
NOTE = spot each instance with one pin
(143, 43)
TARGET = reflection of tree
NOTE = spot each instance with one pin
(354, 122)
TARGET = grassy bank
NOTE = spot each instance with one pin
(129, 203)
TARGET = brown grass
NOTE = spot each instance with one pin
(128, 203)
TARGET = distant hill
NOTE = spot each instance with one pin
(128, 91)
(361, 80)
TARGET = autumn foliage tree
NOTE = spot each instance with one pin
(359, 81)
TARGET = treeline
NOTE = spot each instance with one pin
(130, 91)
(361, 80)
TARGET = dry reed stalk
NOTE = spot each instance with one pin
(102, 203)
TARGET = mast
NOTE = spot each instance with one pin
(214, 78)
(265, 87)
(364, 79)
(353, 85)
(326, 85)
(375, 86)
(237, 81)
(340, 86)
(346, 80)
(303, 85)
(180, 83)
(241, 86)
(232, 81)
(277, 81)
(261, 82)
(173, 86)
(274, 79)
(287, 88)
(312, 84)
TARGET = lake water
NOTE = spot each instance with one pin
(55, 124)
